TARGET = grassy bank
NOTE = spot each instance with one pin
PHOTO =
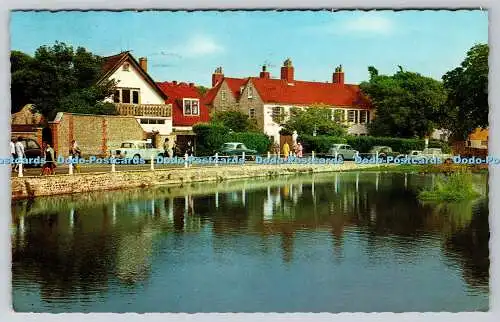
(455, 187)
(431, 168)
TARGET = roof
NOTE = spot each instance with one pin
(112, 63)
(176, 90)
(278, 91)
(479, 135)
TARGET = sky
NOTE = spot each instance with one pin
(188, 46)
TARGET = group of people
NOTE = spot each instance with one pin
(171, 149)
(297, 150)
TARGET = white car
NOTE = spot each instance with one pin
(137, 149)
(435, 152)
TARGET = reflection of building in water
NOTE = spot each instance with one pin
(287, 239)
(133, 256)
(272, 202)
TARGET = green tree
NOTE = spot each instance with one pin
(407, 103)
(202, 90)
(467, 86)
(234, 120)
(317, 118)
(59, 78)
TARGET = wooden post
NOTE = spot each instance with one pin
(152, 163)
(185, 160)
(268, 155)
(313, 155)
(70, 166)
(20, 172)
(216, 159)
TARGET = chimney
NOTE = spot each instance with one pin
(143, 62)
(338, 76)
(174, 82)
(264, 73)
(191, 84)
(217, 76)
(287, 71)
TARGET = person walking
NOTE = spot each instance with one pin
(13, 152)
(300, 150)
(286, 150)
(19, 147)
(50, 160)
(276, 149)
(74, 152)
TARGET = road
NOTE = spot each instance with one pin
(64, 169)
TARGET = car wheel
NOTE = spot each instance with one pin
(136, 159)
(340, 158)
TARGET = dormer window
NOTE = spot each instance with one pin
(191, 106)
(250, 92)
(126, 67)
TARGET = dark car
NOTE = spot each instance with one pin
(236, 148)
(32, 150)
(383, 152)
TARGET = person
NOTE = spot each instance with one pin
(165, 146)
(169, 148)
(189, 149)
(295, 149)
(19, 147)
(286, 150)
(50, 160)
(74, 152)
(13, 151)
(300, 150)
(45, 168)
(276, 149)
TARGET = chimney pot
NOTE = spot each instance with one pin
(217, 76)
(191, 84)
(174, 82)
(287, 71)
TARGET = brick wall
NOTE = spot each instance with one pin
(95, 134)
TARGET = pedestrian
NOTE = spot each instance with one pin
(50, 160)
(276, 149)
(13, 152)
(165, 147)
(295, 149)
(300, 150)
(286, 150)
(75, 153)
(20, 155)
(189, 149)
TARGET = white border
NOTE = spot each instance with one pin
(494, 37)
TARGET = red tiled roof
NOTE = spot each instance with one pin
(179, 90)
(111, 61)
(273, 90)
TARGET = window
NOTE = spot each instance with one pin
(135, 97)
(125, 96)
(351, 116)
(338, 115)
(30, 144)
(223, 95)
(116, 96)
(363, 117)
(251, 113)
(141, 145)
(241, 89)
(126, 67)
(127, 145)
(191, 106)
(277, 111)
(152, 121)
(250, 92)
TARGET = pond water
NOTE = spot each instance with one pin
(344, 242)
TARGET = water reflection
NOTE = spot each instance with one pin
(77, 246)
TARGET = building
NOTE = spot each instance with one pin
(137, 94)
(265, 98)
(28, 123)
(478, 139)
(188, 109)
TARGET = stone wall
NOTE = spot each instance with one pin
(95, 134)
(219, 104)
(255, 102)
(28, 187)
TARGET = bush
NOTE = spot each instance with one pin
(210, 137)
(363, 144)
(458, 186)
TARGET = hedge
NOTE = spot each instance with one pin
(210, 137)
(363, 144)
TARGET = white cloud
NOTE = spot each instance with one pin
(198, 46)
(365, 23)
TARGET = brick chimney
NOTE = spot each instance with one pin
(143, 62)
(338, 76)
(264, 73)
(287, 71)
(191, 84)
(174, 82)
(217, 76)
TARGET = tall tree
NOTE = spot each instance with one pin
(467, 86)
(234, 120)
(315, 119)
(407, 103)
(58, 78)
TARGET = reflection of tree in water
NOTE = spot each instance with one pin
(470, 246)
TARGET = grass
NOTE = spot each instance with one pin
(427, 168)
(455, 187)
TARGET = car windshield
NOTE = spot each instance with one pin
(228, 146)
(241, 146)
(337, 146)
(127, 145)
(149, 145)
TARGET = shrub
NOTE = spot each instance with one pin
(320, 143)
(456, 187)
(253, 140)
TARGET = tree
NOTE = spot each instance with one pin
(467, 87)
(57, 79)
(407, 103)
(202, 90)
(317, 118)
(234, 120)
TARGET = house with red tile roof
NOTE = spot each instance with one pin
(264, 98)
(137, 94)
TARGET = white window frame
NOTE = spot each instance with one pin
(363, 113)
(250, 92)
(190, 100)
(132, 90)
(275, 108)
(353, 116)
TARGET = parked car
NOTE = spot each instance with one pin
(414, 153)
(32, 150)
(236, 148)
(382, 151)
(342, 151)
(137, 149)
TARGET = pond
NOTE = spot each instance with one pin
(343, 242)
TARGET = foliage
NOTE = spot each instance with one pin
(408, 104)
(202, 90)
(234, 120)
(315, 118)
(455, 187)
(363, 144)
(467, 86)
(210, 137)
(54, 75)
